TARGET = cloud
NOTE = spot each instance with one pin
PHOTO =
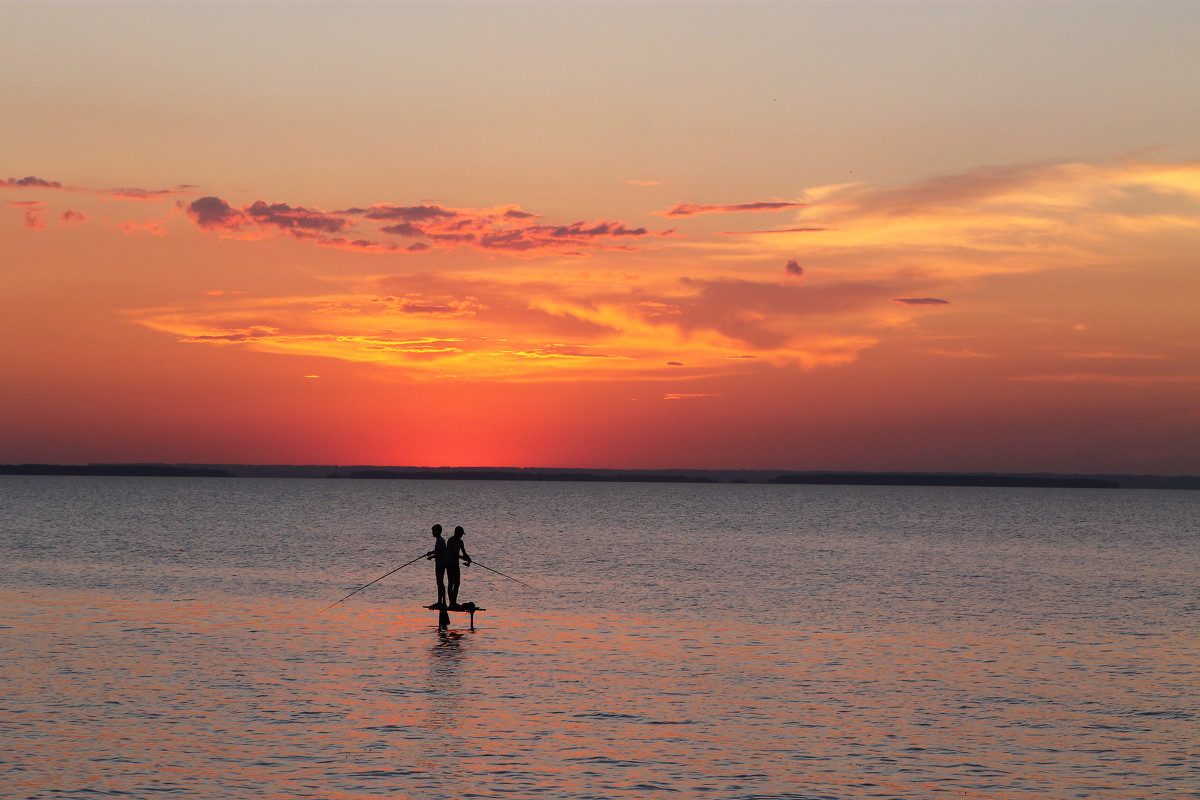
(154, 227)
(1109, 379)
(503, 228)
(359, 245)
(214, 214)
(72, 217)
(643, 183)
(692, 396)
(297, 220)
(716, 304)
(34, 218)
(30, 182)
(147, 194)
(405, 213)
(692, 209)
(767, 232)
(403, 229)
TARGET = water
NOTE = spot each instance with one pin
(160, 637)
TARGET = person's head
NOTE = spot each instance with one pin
(437, 530)
(458, 530)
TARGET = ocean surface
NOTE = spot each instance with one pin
(165, 637)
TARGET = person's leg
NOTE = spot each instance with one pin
(452, 579)
(441, 580)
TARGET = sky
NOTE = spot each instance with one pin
(894, 235)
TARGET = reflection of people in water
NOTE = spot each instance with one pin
(454, 551)
(438, 554)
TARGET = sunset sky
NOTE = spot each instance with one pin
(895, 235)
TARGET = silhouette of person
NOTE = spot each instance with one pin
(438, 555)
(454, 551)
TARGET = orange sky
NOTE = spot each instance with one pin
(547, 236)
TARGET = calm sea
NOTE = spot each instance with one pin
(161, 637)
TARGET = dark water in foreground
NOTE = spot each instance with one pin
(160, 638)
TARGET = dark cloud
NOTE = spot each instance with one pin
(70, 217)
(213, 213)
(30, 181)
(767, 315)
(920, 301)
(298, 218)
(408, 213)
(692, 209)
(505, 228)
(247, 335)
(410, 307)
(674, 363)
(508, 240)
(403, 229)
(452, 237)
(579, 230)
(793, 269)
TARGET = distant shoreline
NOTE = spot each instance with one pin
(825, 478)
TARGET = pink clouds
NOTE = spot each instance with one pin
(692, 209)
(920, 301)
(34, 219)
(506, 228)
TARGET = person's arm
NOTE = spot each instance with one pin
(465, 557)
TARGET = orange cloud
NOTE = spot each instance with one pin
(876, 263)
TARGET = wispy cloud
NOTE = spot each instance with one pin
(1108, 379)
(693, 209)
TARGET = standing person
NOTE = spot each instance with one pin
(454, 551)
(438, 554)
